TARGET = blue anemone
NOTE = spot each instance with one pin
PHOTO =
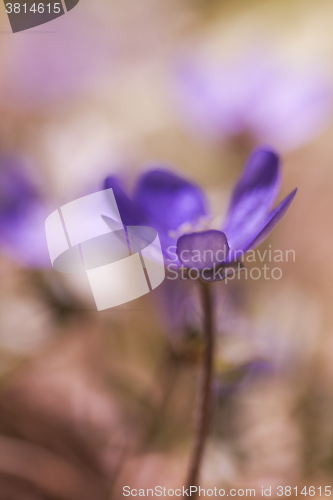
(175, 206)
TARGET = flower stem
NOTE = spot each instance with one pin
(204, 402)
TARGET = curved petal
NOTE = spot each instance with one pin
(129, 213)
(274, 218)
(253, 197)
(168, 201)
(202, 250)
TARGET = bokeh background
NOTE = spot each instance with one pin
(90, 402)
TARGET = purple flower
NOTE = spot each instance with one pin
(178, 210)
(22, 216)
(256, 97)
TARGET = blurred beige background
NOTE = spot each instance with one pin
(92, 401)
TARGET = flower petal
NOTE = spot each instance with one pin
(23, 238)
(253, 197)
(168, 201)
(22, 215)
(274, 218)
(202, 250)
(180, 307)
(17, 190)
(129, 213)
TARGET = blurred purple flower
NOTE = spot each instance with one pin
(255, 97)
(176, 208)
(22, 216)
